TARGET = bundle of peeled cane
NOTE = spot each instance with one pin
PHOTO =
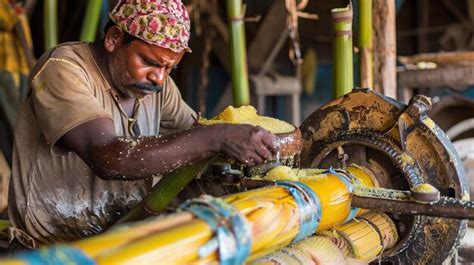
(239, 227)
(360, 241)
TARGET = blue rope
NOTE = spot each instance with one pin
(348, 182)
(309, 207)
(57, 255)
(233, 234)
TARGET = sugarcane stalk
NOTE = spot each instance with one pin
(50, 23)
(238, 53)
(343, 73)
(91, 20)
(124, 234)
(4, 224)
(272, 216)
(362, 237)
(165, 191)
(366, 62)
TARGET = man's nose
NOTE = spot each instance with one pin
(157, 76)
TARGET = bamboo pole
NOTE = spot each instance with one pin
(165, 191)
(238, 53)
(91, 20)
(50, 23)
(385, 48)
(343, 72)
(366, 62)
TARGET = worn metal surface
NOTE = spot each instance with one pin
(402, 202)
(403, 147)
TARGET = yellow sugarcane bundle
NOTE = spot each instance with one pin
(315, 250)
(331, 187)
(358, 242)
(365, 237)
(384, 226)
(248, 115)
(239, 227)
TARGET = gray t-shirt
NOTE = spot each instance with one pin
(54, 196)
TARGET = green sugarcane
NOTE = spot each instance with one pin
(91, 20)
(50, 23)
(163, 193)
(4, 224)
(343, 73)
(366, 64)
(238, 53)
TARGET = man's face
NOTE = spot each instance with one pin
(138, 68)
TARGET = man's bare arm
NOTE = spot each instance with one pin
(130, 158)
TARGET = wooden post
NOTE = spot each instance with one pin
(385, 47)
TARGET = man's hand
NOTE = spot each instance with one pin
(247, 144)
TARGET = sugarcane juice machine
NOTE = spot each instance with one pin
(400, 146)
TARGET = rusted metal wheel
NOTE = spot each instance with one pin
(402, 147)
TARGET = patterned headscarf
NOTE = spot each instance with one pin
(161, 22)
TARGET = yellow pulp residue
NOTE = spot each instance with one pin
(430, 123)
(424, 188)
(281, 173)
(293, 174)
(248, 115)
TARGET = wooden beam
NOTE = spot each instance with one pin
(453, 76)
(270, 30)
(385, 47)
(439, 57)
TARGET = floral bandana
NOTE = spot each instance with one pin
(160, 22)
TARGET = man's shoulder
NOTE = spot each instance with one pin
(70, 50)
(75, 56)
(76, 53)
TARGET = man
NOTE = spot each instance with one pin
(86, 142)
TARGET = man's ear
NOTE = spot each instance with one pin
(113, 39)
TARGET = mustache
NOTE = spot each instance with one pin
(148, 87)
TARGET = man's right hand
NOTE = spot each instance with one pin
(247, 144)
